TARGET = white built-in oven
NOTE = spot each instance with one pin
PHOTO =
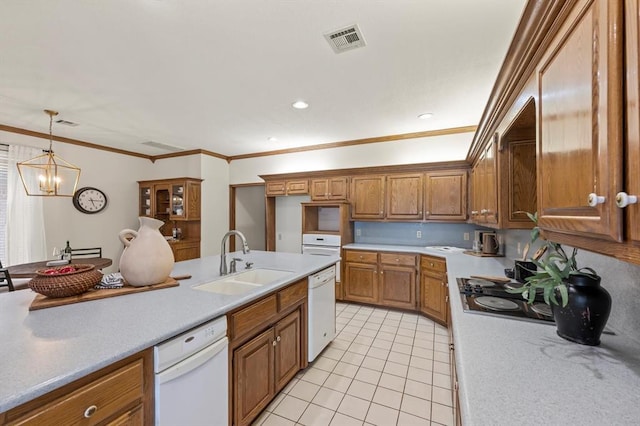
(322, 245)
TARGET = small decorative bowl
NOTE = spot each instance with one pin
(57, 282)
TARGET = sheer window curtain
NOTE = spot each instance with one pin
(26, 240)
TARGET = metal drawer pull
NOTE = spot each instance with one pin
(595, 199)
(623, 199)
(90, 411)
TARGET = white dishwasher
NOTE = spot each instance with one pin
(322, 310)
(191, 377)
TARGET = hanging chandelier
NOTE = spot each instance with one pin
(48, 175)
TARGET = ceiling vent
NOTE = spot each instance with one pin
(346, 38)
(162, 146)
(67, 123)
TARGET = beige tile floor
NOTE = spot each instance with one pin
(385, 368)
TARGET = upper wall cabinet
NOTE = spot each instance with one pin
(329, 189)
(288, 187)
(404, 196)
(445, 196)
(367, 197)
(581, 131)
(629, 199)
(484, 204)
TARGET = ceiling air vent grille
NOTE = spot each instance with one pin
(163, 146)
(346, 38)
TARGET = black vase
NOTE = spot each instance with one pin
(586, 313)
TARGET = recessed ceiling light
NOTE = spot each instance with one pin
(300, 105)
(425, 116)
(272, 139)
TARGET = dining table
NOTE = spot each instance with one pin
(29, 270)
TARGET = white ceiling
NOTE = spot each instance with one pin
(221, 74)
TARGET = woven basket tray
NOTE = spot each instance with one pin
(65, 284)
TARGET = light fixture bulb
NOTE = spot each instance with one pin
(425, 116)
(300, 105)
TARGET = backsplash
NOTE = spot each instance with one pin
(433, 234)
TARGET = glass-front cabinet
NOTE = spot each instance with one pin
(176, 202)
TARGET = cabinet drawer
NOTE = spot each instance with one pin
(251, 317)
(292, 295)
(361, 256)
(435, 264)
(398, 259)
(93, 403)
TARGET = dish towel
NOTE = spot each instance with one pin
(113, 280)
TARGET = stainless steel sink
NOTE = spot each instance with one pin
(243, 282)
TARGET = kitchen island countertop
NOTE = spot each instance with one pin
(514, 372)
(45, 349)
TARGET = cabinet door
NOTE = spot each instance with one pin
(297, 187)
(404, 196)
(367, 197)
(398, 286)
(361, 282)
(193, 201)
(632, 186)
(253, 377)
(338, 188)
(146, 200)
(319, 189)
(433, 296)
(580, 145)
(446, 195)
(288, 349)
(489, 210)
(185, 250)
(274, 188)
(162, 201)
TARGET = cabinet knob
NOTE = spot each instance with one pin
(431, 264)
(595, 199)
(623, 199)
(446, 299)
(397, 260)
(278, 339)
(484, 211)
(90, 411)
(274, 343)
(442, 284)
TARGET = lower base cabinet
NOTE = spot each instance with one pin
(268, 348)
(121, 394)
(385, 278)
(434, 290)
(185, 250)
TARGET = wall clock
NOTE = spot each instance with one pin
(89, 200)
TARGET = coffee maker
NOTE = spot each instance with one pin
(485, 242)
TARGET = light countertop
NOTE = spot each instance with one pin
(44, 349)
(517, 372)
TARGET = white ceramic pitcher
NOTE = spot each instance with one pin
(147, 259)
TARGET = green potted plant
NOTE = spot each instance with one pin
(585, 305)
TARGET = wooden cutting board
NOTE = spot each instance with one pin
(43, 302)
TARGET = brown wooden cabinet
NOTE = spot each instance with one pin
(367, 197)
(484, 208)
(580, 84)
(268, 341)
(176, 202)
(328, 189)
(288, 187)
(446, 195)
(119, 394)
(386, 279)
(360, 281)
(632, 178)
(398, 276)
(404, 196)
(434, 293)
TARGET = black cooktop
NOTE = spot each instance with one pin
(491, 298)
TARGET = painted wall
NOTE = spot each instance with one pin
(411, 151)
(117, 176)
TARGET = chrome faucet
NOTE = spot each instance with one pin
(223, 249)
